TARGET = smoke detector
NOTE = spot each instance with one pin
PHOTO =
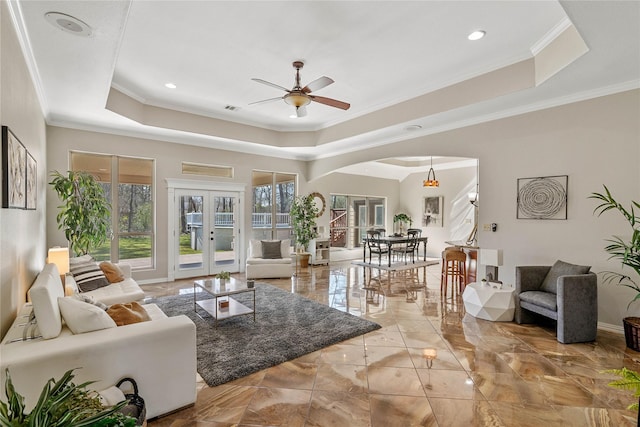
(68, 23)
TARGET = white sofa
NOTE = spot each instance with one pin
(258, 267)
(159, 354)
(125, 291)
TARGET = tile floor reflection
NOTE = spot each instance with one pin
(484, 373)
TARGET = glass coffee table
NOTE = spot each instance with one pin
(222, 306)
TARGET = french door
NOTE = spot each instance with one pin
(206, 234)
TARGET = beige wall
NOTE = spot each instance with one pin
(594, 142)
(22, 242)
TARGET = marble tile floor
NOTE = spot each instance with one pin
(484, 373)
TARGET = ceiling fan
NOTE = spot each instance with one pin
(300, 97)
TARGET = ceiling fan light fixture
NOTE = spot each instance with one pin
(297, 99)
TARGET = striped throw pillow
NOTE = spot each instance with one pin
(88, 276)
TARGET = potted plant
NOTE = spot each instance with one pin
(402, 219)
(61, 403)
(629, 380)
(85, 215)
(303, 220)
(628, 253)
(223, 276)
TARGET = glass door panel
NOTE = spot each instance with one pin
(224, 255)
(190, 232)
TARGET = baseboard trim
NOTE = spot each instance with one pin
(611, 328)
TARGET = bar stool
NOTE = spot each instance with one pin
(454, 268)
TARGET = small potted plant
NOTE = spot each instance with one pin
(628, 253)
(402, 219)
(223, 276)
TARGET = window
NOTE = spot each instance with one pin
(273, 194)
(352, 216)
(132, 208)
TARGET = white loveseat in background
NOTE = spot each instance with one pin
(258, 267)
(159, 354)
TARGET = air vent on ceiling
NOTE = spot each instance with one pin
(189, 168)
(231, 108)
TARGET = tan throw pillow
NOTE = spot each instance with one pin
(128, 313)
(112, 272)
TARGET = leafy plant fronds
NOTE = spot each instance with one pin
(629, 380)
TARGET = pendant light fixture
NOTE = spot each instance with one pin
(431, 180)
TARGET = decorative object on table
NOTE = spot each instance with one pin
(250, 283)
(85, 215)
(432, 215)
(239, 346)
(223, 304)
(492, 259)
(401, 219)
(629, 380)
(223, 276)
(431, 180)
(303, 215)
(628, 253)
(61, 403)
(543, 197)
(14, 173)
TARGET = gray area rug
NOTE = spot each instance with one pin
(287, 326)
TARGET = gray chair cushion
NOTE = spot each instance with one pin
(561, 268)
(542, 299)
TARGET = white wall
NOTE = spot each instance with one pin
(22, 243)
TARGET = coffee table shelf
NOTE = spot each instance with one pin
(223, 293)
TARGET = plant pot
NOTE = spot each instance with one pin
(304, 260)
(632, 332)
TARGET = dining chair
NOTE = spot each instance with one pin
(376, 246)
(410, 248)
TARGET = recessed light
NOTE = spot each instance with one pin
(412, 128)
(170, 85)
(68, 23)
(293, 116)
(476, 35)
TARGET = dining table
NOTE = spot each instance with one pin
(394, 240)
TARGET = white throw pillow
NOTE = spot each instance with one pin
(255, 248)
(285, 248)
(83, 317)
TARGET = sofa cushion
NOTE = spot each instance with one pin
(88, 276)
(271, 249)
(90, 300)
(82, 317)
(125, 291)
(255, 248)
(265, 261)
(543, 299)
(128, 313)
(561, 268)
(44, 294)
(112, 272)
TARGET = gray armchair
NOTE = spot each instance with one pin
(565, 292)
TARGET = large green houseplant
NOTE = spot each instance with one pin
(303, 220)
(61, 404)
(85, 215)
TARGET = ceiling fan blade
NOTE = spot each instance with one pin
(266, 100)
(301, 111)
(264, 82)
(317, 84)
(330, 102)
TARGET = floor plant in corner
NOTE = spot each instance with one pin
(85, 215)
(61, 404)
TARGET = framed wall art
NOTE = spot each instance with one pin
(432, 211)
(14, 164)
(31, 182)
(542, 197)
